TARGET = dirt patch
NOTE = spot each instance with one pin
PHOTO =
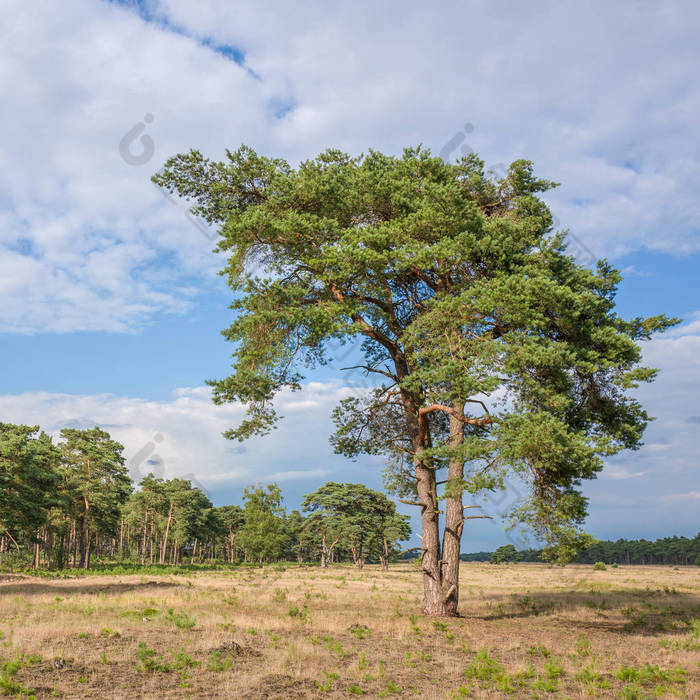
(283, 687)
(232, 648)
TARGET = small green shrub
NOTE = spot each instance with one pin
(150, 661)
(359, 631)
(299, 613)
(583, 645)
(329, 643)
(391, 688)
(649, 675)
(600, 566)
(180, 619)
(327, 684)
(181, 661)
(9, 686)
(552, 669)
(592, 678)
(218, 662)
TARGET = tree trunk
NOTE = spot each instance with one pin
(433, 604)
(385, 558)
(167, 532)
(36, 550)
(85, 538)
(454, 518)
(71, 543)
(121, 539)
(143, 541)
(426, 487)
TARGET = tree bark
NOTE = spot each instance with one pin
(121, 539)
(454, 517)
(167, 532)
(385, 557)
(85, 538)
(36, 550)
(433, 603)
(143, 541)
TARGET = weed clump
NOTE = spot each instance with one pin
(180, 619)
(150, 661)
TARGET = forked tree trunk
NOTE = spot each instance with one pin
(440, 565)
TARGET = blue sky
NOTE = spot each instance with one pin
(111, 305)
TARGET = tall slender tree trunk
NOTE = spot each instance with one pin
(143, 541)
(433, 604)
(85, 537)
(454, 517)
(37, 550)
(71, 543)
(167, 532)
(426, 488)
(385, 557)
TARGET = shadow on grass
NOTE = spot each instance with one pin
(81, 586)
(650, 611)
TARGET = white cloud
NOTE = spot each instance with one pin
(621, 474)
(690, 496)
(659, 492)
(182, 437)
(296, 474)
(602, 100)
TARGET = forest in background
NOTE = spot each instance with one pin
(65, 503)
(666, 550)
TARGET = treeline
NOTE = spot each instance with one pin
(64, 503)
(667, 550)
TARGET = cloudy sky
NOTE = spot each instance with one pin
(111, 305)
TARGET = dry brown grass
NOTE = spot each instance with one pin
(542, 628)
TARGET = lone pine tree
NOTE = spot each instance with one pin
(496, 352)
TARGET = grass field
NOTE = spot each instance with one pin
(289, 632)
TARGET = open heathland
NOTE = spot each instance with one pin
(284, 631)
